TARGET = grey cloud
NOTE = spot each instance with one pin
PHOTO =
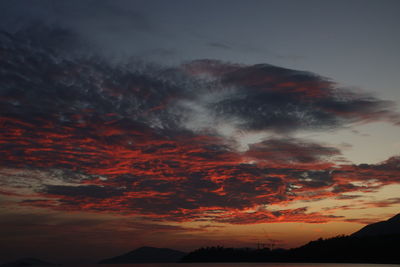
(115, 29)
(285, 100)
(219, 45)
(83, 191)
(249, 98)
(291, 150)
(83, 16)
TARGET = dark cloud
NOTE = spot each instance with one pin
(219, 45)
(84, 16)
(363, 220)
(279, 99)
(81, 134)
(259, 97)
(84, 191)
(214, 68)
(263, 216)
(290, 151)
(115, 29)
(214, 194)
(345, 197)
(384, 203)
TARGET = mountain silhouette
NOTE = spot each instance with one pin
(27, 262)
(147, 254)
(388, 227)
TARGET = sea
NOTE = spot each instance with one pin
(239, 265)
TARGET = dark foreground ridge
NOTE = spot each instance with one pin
(147, 254)
(342, 249)
(376, 244)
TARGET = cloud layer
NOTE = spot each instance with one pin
(83, 134)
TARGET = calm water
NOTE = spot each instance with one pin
(241, 265)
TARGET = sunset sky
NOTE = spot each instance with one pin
(184, 124)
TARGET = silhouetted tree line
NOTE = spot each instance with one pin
(344, 249)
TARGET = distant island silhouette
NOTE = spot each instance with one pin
(147, 255)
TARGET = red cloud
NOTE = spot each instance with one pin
(184, 177)
(103, 138)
